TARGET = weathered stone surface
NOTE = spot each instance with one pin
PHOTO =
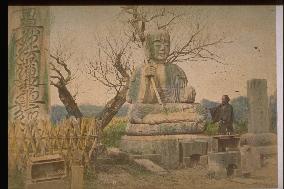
(258, 120)
(250, 159)
(194, 147)
(195, 160)
(166, 147)
(169, 150)
(150, 166)
(259, 139)
(222, 164)
(117, 154)
(166, 113)
(267, 150)
(164, 128)
(151, 144)
(27, 66)
(203, 160)
(156, 158)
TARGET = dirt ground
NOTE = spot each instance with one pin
(129, 176)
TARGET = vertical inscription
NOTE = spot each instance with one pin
(26, 84)
(26, 101)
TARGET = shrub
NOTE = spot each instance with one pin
(241, 127)
(211, 128)
(114, 131)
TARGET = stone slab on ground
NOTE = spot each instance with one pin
(116, 153)
(150, 166)
(156, 158)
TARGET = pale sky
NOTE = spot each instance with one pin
(246, 26)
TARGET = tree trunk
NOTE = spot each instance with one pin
(69, 102)
(112, 107)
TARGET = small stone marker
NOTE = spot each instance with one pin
(150, 166)
(77, 177)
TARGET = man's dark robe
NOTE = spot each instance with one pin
(225, 116)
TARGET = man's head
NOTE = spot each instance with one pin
(225, 99)
(158, 45)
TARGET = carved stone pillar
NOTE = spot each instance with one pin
(28, 63)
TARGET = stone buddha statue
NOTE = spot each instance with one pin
(161, 100)
(170, 80)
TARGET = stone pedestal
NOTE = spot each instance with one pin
(167, 119)
(171, 149)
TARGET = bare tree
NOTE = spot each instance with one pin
(62, 76)
(112, 68)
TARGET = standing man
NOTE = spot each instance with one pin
(223, 114)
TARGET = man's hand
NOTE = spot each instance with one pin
(150, 70)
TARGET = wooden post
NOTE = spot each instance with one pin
(77, 181)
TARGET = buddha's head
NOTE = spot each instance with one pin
(158, 45)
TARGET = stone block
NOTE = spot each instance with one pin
(217, 171)
(195, 147)
(169, 150)
(203, 160)
(139, 145)
(164, 148)
(195, 160)
(223, 164)
(250, 159)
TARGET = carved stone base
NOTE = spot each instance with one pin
(164, 129)
(168, 147)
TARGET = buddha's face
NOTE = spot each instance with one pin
(161, 49)
(159, 46)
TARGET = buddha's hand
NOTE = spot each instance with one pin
(150, 71)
